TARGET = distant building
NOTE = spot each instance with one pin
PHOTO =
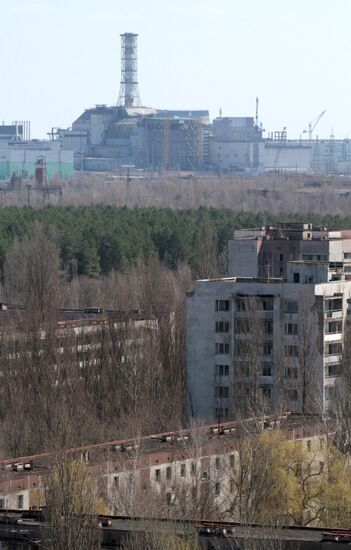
(20, 157)
(172, 465)
(105, 138)
(80, 335)
(273, 331)
(237, 145)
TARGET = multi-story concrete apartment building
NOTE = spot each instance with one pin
(272, 334)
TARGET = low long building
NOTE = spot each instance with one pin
(195, 463)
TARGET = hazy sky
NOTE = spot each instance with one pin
(59, 57)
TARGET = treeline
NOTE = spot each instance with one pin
(94, 240)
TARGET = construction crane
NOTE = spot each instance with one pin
(312, 125)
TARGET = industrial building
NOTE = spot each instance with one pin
(104, 138)
(272, 332)
(19, 154)
(237, 145)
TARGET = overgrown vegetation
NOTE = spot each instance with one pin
(94, 240)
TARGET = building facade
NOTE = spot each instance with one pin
(272, 334)
(164, 469)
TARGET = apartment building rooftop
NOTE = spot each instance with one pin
(11, 316)
(291, 231)
(293, 426)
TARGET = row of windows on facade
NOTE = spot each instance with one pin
(267, 370)
(243, 369)
(222, 392)
(245, 348)
(158, 478)
(256, 303)
(246, 304)
(266, 349)
(4, 504)
(246, 326)
(193, 470)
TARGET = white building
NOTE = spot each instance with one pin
(260, 342)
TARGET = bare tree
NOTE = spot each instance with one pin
(207, 255)
(308, 352)
(254, 353)
(31, 275)
(71, 508)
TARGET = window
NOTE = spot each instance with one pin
(168, 472)
(281, 257)
(222, 305)
(158, 475)
(116, 481)
(291, 329)
(333, 348)
(334, 327)
(2, 503)
(182, 470)
(169, 499)
(292, 395)
(222, 413)
(315, 257)
(242, 368)
(296, 277)
(267, 348)
(334, 370)
(204, 476)
(291, 372)
(309, 445)
(217, 488)
(266, 304)
(232, 486)
(217, 463)
(268, 327)
(241, 304)
(291, 351)
(222, 348)
(290, 307)
(242, 326)
(267, 370)
(222, 326)
(20, 500)
(222, 370)
(333, 304)
(193, 493)
(222, 391)
(232, 461)
(347, 255)
(193, 468)
(267, 392)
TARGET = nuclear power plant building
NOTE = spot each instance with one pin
(104, 138)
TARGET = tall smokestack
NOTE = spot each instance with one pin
(129, 91)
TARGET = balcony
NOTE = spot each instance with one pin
(330, 359)
(266, 380)
(333, 314)
(333, 337)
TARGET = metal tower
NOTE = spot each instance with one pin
(129, 91)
